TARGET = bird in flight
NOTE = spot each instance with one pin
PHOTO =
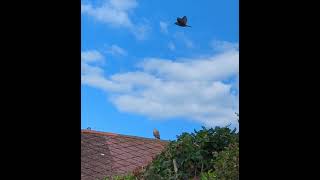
(182, 22)
(156, 133)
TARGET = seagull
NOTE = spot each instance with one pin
(182, 22)
(156, 134)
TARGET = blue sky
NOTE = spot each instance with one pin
(140, 71)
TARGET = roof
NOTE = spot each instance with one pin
(108, 154)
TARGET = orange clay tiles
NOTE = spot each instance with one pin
(107, 154)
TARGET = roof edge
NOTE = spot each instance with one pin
(86, 131)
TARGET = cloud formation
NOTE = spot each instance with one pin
(115, 50)
(116, 14)
(194, 88)
(91, 56)
(171, 46)
(223, 45)
(163, 27)
(184, 39)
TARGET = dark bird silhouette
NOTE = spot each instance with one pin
(182, 22)
(156, 134)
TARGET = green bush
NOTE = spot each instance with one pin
(210, 175)
(226, 164)
(124, 177)
(194, 154)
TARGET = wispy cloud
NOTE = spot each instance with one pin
(91, 56)
(141, 31)
(115, 50)
(168, 88)
(171, 46)
(223, 45)
(163, 27)
(90, 62)
(188, 43)
(116, 14)
(89, 69)
(93, 75)
(109, 13)
(181, 37)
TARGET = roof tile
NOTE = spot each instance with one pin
(107, 154)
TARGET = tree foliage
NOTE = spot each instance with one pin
(226, 164)
(194, 153)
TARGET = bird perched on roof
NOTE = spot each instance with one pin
(156, 134)
(182, 22)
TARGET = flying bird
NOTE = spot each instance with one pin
(156, 134)
(182, 22)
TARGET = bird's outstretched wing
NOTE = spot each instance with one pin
(184, 19)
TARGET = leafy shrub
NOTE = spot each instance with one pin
(226, 164)
(193, 153)
(210, 175)
(124, 177)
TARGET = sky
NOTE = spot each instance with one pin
(140, 71)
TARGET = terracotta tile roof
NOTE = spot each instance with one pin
(107, 154)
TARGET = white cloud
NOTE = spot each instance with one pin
(141, 31)
(116, 50)
(224, 45)
(214, 68)
(166, 88)
(108, 14)
(93, 75)
(163, 27)
(171, 46)
(90, 61)
(100, 82)
(116, 14)
(91, 70)
(91, 56)
(123, 4)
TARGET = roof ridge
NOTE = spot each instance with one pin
(115, 134)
